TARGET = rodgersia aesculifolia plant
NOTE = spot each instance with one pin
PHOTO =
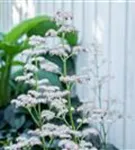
(51, 107)
(54, 122)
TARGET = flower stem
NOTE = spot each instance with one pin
(33, 117)
(68, 87)
(69, 109)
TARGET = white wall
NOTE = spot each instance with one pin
(117, 22)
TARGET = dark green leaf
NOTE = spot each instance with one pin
(12, 49)
(42, 28)
(2, 121)
(58, 61)
(18, 63)
(15, 120)
(72, 38)
(53, 78)
(1, 36)
(23, 28)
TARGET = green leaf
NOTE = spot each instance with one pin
(53, 78)
(42, 28)
(58, 61)
(15, 120)
(1, 36)
(72, 38)
(18, 63)
(13, 49)
(22, 28)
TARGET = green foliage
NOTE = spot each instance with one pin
(13, 122)
(42, 28)
(1, 36)
(14, 119)
(9, 47)
(23, 28)
(13, 49)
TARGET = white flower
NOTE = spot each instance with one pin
(43, 82)
(36, 40)
(83, 145)
(77, 49)
(58, 52)
(39, 51)
(51, 33)
(31, 67)
(31, 82)
(38, 59)
(24, 77)
(60, 106)
(57, 94)
(68, 144)
(93, 148)
(34, 93)
(47, 115)
(66, 29)
(52, 130)
(64, 15)
(24, 142)
(20, 78)
(86, 132)
(48, 88)
(50, 67)
(29, 75)
(74, 78)
(79, 120)
(62, 18)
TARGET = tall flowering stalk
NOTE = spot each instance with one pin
(47, 104)
(100, 112)
(51, 107)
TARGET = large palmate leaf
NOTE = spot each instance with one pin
(23, 28)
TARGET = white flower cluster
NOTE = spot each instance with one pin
(61, 50)
(67, 144)
(65, 134)
(75, 79)
(52, 130)
(36, 40)
(45, 94)
(93, 114)
(47, 115)
(49, 66)
(30, 69)
(63, 18)
(24, 142)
